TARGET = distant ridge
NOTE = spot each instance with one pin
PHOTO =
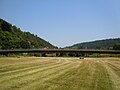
(12, 37)
(98, 44)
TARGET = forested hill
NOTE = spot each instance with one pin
(99, 44)
(12, 37)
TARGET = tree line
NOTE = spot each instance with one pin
(12, 37)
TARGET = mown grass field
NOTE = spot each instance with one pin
(52, 73)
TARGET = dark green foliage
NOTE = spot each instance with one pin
(5, 26)
(80, 47)
(99, 44)
(116, 46)
(12, 37)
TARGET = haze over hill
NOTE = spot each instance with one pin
(98, 44)
(12, 37)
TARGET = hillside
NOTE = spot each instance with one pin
(99, 44)
(12, 37)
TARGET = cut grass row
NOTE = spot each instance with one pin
(59, 74)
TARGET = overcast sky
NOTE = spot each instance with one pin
(64, 22)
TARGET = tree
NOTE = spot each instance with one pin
(80, 47)
(24, 44)
(116, 47)
(98, 47)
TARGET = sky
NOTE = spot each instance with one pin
(64, 22)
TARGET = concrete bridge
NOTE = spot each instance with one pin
(60, 50)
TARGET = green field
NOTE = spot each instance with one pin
(52, 73)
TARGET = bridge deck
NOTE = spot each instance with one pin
(60, 50)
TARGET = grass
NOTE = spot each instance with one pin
(57, 73)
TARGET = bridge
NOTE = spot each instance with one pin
(60, 50)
